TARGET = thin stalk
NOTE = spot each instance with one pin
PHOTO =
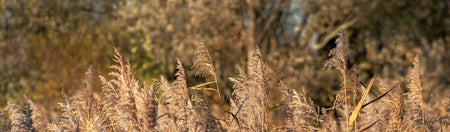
(345, 100)
(354, 103)
(215, 77)
(423, 115)
(217, 85)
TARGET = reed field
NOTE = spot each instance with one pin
(232, 65)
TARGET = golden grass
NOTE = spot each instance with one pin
(128, 105)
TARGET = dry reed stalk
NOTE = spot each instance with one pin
(165, 119)
(177, 99)
(233, 122)
(396, 111)
(354, 81)
(357, 109)
(127, 86)
(258, 81)
(147, 106)
(126, 105)
(415, 98)
(299, 109)
(383, 107)
(204, 120)
(193, 119)
(83, 112)
(25, 118)
(339, 61)
(328, 123)
(4, 123)
(40, 121)
(203, 62)
(240, 108)
(20, 117)
(89, 107)
(69, 119)
(109, 101)
(251, 94)
(376, 109)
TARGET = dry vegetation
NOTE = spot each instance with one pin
(125, 104)
(224, 65)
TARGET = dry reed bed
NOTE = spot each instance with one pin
(126, 105)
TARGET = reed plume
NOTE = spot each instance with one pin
(127, 86)
(165, 118)
(20, 118)
(69, 119)
(39, 120)
(147, 106)
(207, 122)
(396, 111)
(250, 92)
(233, 122)
(383, 107)
(89, 107)
(203, 62)
(415, 99)
(28, 117)
(259, 88)
(299, 110)
(338, 60)
(4, 122)
(127, 105)
(177, 99)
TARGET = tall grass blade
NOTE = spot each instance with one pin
(355, 112)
